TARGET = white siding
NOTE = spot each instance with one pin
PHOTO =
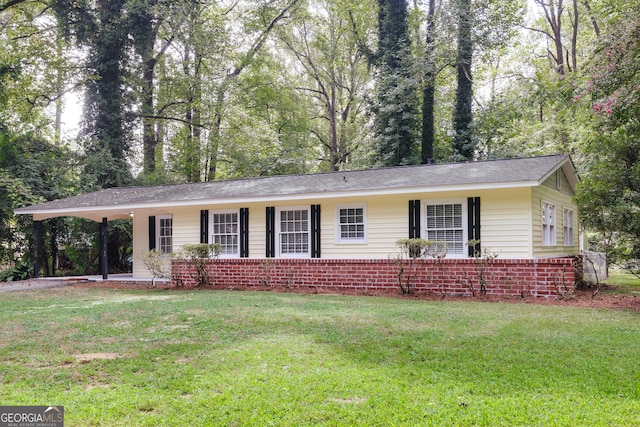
(505, 222)
(386, 223)
(140, 243)
(561, 200)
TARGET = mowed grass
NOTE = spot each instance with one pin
(219, 358)
(625, 283)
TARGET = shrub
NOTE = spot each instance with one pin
(200, 250)
(196, 255)
(412, 251)
(482, 261)
(158, 264)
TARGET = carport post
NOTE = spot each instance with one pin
(37, 232)
(104, 261)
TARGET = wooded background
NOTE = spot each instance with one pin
(173, 91)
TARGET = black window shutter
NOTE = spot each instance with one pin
(271, 232)
(315, 231)
(244, 232)
(414, 219)
(204, 226)
(152, 233)
(473, 218)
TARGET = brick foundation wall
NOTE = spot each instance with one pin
(519, 277)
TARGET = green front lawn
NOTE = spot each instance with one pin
(623, 283)
(219, 358)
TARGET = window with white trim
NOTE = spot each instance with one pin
(548, 224)
(351, 227)
(568, 227)
(225, 231)
(165, 234)
(294, 232)
(446, 222)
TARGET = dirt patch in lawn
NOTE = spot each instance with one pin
(588, 298)
(88, 357)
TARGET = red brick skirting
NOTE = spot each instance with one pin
(524, 277)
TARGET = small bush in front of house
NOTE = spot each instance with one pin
(196, 256)
(158, 264)
(411, 256)
(200, 250)
(482, 261)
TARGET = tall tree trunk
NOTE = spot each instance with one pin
(463, 142)
(192, 68)
(574, 37)
(396, 121)
(149, 137)
(59, 92)
(144, 36)
(192, 164)
(553, 13)
(596, 27)
(159, 124)
(215, 133)
(332, 105)
(105, 119)
(196, 106)
(428, 100)
(333, 127)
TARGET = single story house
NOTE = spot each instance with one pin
(340, 229)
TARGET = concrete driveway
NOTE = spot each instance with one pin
(34, 284)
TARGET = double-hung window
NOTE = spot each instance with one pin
(165, 234)
(351, 224)
(568, 227)
(548, 224)
(225, 232)
(294, 232)
(446, 223)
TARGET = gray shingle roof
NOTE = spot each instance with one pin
(484, 174)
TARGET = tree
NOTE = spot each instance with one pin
(334, 76)
(429, 91)
(36, 68)
(101, 27)
(267, 122)
(609, 195)
(484, 28)
(395, 110)
(463, 138)
(266, 19)
(212, 45)
(33, 171)
(144, 24)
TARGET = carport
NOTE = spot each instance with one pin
(90, 206)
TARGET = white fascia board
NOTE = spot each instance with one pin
(121, 211)
(93, 215)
